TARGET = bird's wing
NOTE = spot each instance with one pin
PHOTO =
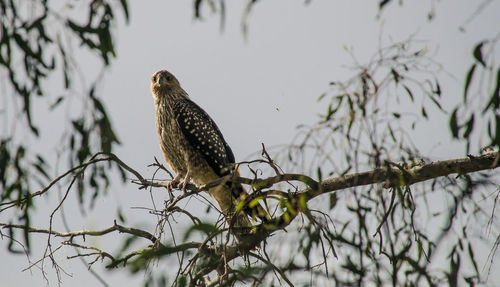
(203, 134)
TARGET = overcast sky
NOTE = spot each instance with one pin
(257, 90)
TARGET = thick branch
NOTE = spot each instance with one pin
(391, 176)
(398, 176)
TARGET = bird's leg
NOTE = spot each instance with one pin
(174, 182)
(182, 184)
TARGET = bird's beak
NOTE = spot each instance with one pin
(159, 80)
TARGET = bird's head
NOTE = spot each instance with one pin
(164, 82)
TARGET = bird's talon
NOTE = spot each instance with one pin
(183, 183)
(174, 183)
(182, 186)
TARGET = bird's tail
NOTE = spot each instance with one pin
(236, 212)
(252, 209)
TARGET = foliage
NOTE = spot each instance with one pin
(36, 41)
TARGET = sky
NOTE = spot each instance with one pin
(257, 88)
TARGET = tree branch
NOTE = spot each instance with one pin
(115, 227)
(390, 176)
(400, 176)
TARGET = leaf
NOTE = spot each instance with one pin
(496, 92)
(329, 113)
(472, 258)
(286, 217)
(333, 200)
(468, 79)
(56, 103)
(197, 8)
(437, 103)
(182, 281)
(495, 96)
(255, 201)
(320, 174)
(453, 123)
(321, 97)
(382, 3)
(469, 126)
(125, 9)
(478, 55)
(437, 91)
(424, 113)
(121, 217)
(396, 76)
(410, 94)
(496, 139)
(239, 206)
(40, 166)
(203, 227)
(391, 133)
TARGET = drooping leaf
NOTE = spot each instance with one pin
(453, 123)
(125, 9)
(382, 4)
(478, 55)
(469, 126)
(424, 113)
(468, 80)
(206, 228)
(410, 94)
(437, 91)
(494, 101)
(333, 200)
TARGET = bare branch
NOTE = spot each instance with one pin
(393, 176)
(115, 227)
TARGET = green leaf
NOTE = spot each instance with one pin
(382, 3)
(125, 9)
(437, 91)
(424, 113)
(333, 200)
(453, 123)
(478, 55)
(437, 103)
(254, 201)
(239, 206)
(472, 258)
(321, 97)
(41, 166)
(286, 217)
(495, 96)
(391, 133)
(56, 103)
(468, 80)
(303, 202)
(469, 126)
(410, 94)
(496, 138)
(182, 281)
(197, 8)
(396, 76)
(203, 227)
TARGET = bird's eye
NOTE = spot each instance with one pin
(154, 79)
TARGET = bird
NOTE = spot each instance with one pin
(195, 149)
